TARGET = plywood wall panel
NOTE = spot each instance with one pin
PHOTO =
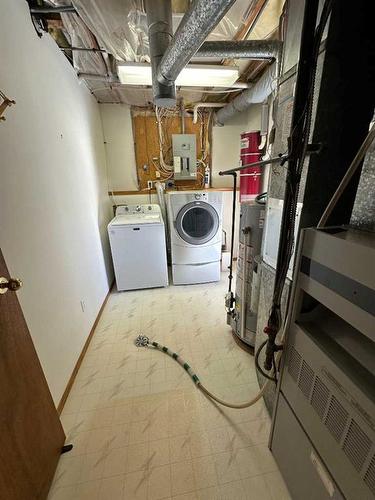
(146, 144)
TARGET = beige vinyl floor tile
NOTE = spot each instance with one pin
(142, 431)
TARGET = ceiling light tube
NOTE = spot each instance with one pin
(193, 75)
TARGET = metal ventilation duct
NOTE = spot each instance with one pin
(196, 25)
(159, 21)
(244, 49)
(188, 40)
(256, 94)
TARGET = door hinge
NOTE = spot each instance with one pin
(12, 284)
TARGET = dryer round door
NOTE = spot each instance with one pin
(197, 222)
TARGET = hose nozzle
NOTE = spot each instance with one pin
(142, 341)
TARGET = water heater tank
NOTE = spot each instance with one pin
(244, 321)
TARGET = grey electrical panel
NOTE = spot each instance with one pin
(184, 156)
(325, 406)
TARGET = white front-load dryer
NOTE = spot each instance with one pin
(195, 220)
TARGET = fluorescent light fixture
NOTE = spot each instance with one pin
(207, 76)
(191, 76)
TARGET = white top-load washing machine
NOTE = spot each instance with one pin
(137, 240)
(195, 220)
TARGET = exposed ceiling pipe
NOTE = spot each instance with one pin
(239, 85)
(256, 94)
(243, 49)
(98, 77)
(182, 115)
(160, 32)
(205, 105)
(81, 49)
(52, 10)
(196, 25)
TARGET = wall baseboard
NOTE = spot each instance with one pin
(82, 355)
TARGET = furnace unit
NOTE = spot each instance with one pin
(323, 435)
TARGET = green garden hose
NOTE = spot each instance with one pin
(143, 341)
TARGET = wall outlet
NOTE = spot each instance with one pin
(83, 305)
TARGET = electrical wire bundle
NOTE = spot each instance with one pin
(297, 148)
(205, 141)
(163, 117)
(165, 169)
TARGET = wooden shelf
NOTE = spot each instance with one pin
(153, 191)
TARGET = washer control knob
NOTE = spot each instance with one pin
(197, 196)
(138, 209)
(150, 207)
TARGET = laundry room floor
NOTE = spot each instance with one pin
(140, 428)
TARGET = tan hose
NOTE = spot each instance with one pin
(238, 406)
(143, 341)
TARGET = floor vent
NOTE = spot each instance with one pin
(306, 378)
(369, 478)
(356, 445)
(294, 364)
(336, 419)
(319, 398)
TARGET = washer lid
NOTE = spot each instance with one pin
(136, 219)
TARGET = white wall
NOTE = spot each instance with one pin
(119, 145)
(226, 142)
(118, 134)
(54, 206)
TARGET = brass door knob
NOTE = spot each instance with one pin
(12, 284)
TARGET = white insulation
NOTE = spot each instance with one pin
(120, 27)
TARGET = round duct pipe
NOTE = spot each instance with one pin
(196, 25)
(159, 21)
(255, 95)
(240, 49)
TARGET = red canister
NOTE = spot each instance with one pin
(250, 178)
(250, 142)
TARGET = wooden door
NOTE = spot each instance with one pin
(31, 435)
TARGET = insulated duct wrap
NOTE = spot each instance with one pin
(255, 95)
(196, 25)
(242, 49)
